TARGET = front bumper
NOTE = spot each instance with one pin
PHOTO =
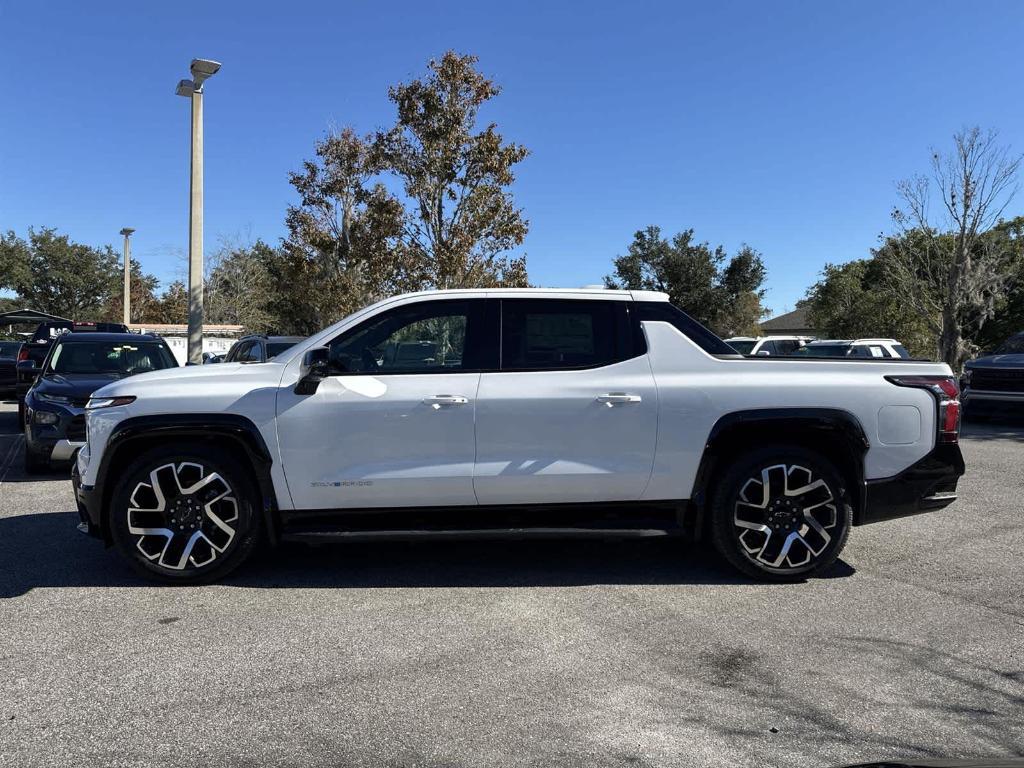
(88, 502)
(925, 486)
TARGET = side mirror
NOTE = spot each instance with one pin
(763, 353)
(315, 368)
(27, 370)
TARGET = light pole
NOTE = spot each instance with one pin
(127, 232)
(201, 70)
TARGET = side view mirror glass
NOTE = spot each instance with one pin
(28, 368)
(315, 368)
(763, 353)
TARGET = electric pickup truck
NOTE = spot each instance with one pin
(515, 413)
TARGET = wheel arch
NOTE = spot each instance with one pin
(233, 432)
(833, 432)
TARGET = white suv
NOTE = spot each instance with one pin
(876, 348)
(515, 413)
(765, 346)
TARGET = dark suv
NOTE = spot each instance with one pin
(259, 348)
(33, 352)
(77, 365)
(995, 381)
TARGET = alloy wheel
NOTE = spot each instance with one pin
(785, 517)
(185, 515)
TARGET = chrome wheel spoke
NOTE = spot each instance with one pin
(183, 515)
(783, 516)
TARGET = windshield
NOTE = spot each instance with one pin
(1012, 346)
(275, 348)
(9, 348)
(743, 347)
(117, 358)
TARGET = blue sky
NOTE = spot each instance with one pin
(780, 124)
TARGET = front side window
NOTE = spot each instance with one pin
(549, 333)
(117, 358)
(252, 354)
(427, 337)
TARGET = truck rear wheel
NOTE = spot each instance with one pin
(781, 513)
(185, 515)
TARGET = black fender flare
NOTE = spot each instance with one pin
(234, 427)
(830, 423)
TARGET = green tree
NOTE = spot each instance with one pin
(723, 294)
(239, 288)
(951, 267)
(344, 247)
(462, 217)
(51, 273)
(852, 301)
(171, 307)
(143, 295)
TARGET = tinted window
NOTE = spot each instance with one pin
(121, 358)
(9, 348)
(686, 325)
(253, 353)
(825, 350)
(769, 347)
(743, 347)
(787, 346)
(552, 333)
(1012, 346)
(900, 350)
(877, 351)
(427, 337)
(275, 348)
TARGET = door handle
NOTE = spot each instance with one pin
(436, 401)
(615, 398)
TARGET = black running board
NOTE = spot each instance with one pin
(463, 534)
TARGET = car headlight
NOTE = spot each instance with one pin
(45, 417)
(108, 402)
(60, 399)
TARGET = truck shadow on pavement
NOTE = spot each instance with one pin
(46, 550)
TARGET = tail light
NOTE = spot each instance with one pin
(946, 393)
(22, 354)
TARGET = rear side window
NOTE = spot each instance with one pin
(664, 312)
(900, 350)
(540, 334)
(786, 346)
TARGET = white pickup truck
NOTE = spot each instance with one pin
(517, 412)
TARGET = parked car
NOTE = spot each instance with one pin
(259, 348)
(536, 413)
(995, 380)
(9, 351)
(766, 346)
(34, 351)
(874, 348)
(77, 365)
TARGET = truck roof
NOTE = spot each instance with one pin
(566, 293)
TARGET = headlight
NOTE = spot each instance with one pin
(108, 402)
(45, 417)
(53, 398)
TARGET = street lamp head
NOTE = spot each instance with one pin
(185, 88)
(127, 231)
(202, 69)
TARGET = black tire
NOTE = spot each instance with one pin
(816, 522)
(34, 463)
(198, 522)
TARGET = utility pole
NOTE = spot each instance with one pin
(201, 69)
(127, 232)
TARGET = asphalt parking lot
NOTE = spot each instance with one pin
(645, 653)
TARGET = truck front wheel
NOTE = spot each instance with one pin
(185, 515)
(781, 513)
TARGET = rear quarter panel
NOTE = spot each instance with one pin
(695, 390)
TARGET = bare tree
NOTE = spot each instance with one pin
(948, 268)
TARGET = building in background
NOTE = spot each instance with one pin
(217, 339)
(790, 324)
